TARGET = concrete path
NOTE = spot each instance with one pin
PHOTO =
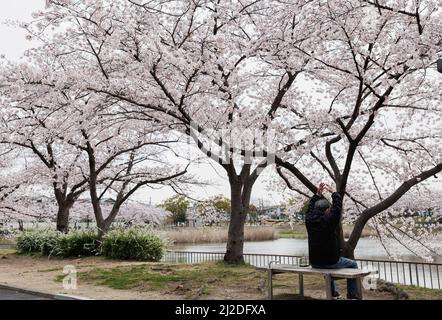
(6, 294)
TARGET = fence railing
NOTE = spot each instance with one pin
(420, 274)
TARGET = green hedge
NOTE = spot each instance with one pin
(133, 244)
(77, 243)
(53, 243)
(37, 241)
(123, 243)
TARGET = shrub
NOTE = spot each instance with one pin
(127, 244)
(37, 241)
(76, 243)
(133, 244)
(53, 243)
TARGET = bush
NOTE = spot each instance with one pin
(53, 243)
(37, 241)
(133, 244)
(76, 243)
(127, 244)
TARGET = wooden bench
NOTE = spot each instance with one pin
(328, 274)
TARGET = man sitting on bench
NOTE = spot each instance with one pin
(322, 221)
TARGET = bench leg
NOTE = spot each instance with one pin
(301, 284)
(359, 287)
(270, 281)
(328, 287)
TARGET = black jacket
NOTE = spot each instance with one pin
(323, 244)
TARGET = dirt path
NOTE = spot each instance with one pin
(41, 274)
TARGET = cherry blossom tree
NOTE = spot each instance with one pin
(123, 156)
(31, 119)
(187, 64)
(213, 211)
(80, 139)
(19, 185)
(377, 133)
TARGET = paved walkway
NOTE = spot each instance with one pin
(6, 294)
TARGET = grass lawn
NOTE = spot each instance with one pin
(417, 293)
(190, 281)
(220, 280)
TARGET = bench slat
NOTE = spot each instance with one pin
(342, 273)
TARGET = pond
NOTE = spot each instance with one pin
(367, 249)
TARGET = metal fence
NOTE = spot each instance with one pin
(420, 274)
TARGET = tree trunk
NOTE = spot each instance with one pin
(105, 224)
(348, 251)
(240, 203)
(102, 230)
(355, 235)
(63, 217)
(65, 202)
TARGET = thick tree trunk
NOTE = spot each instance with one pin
(355, 235)
(240, 203)
(102, 225)
(348, 251)
(102, 230)
(105, 224)
(65, 202)
(347, 248)
(235, 241)
(63, 216)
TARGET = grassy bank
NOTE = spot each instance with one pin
(214, 234)
(300, 232)
(4, 253)
(190, 282)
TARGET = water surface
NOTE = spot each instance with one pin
(367, 248)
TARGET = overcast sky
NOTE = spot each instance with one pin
(13, 41)
(13, 44)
